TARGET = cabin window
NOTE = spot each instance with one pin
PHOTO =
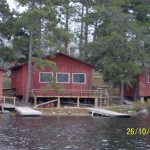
(148, 79)
(62, 77)
(18, 77)
(79, 78)
(45, 77)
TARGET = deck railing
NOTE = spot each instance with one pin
(6, 99)
(100, 96)
(7, 102)
(65, 93)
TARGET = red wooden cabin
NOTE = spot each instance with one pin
(71, 74)
(1, 79)
(141, 89)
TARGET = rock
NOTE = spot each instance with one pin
(144, 111)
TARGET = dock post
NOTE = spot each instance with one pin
(35, 101)
(96, 102)
(58, 102)
(142, 99)
(14, 101)
(78, 102)
(3, 104)
(92, 113)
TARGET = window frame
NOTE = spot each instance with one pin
(18, 77)
(79, 82)
(148, 79)
(45, 73)
(63, 73)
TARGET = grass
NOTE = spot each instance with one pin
(122, 110)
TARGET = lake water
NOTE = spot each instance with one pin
(72, 133)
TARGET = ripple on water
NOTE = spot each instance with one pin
(70, 133)
(71, 147)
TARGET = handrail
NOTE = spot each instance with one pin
(63, 92)
(3, 99)
(45, 103)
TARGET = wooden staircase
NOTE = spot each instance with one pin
(103, 99)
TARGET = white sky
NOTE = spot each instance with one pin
(12, 4)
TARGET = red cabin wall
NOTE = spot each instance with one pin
(1, 81)
(64, 64)
(144, 86)
(67, 65)
(129, 91)
(17, 84)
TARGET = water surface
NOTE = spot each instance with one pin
(72, 133)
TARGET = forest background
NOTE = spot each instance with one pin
(113, 35)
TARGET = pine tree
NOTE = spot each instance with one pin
(117, 51)
(40, 22)
(6, 31)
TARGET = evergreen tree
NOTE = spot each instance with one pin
(6, 31)
(117, 51)
(40, 23)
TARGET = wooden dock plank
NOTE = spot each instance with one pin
(7, 105)
(26, 111)
(107, 113)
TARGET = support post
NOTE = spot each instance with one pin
(35, 101)
(96, 102)
(58, 102)
(142, 99)
(3, 104)
(14, 101)
(78, 102)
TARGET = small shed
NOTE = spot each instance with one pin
(71, 74)
(141, 89)
(1, 79)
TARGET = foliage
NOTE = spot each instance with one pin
(6, 31)
(42, 63)
(138, 105)
(122, 110)
(117, 51)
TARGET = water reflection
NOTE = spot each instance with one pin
(71, 133)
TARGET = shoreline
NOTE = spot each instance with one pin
(64, 111)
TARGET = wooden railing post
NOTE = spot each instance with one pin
(35, 101)
(14, 101)
(78, 102)
(3, 103)
(96, 102)
(58, 102)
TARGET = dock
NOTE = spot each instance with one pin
(26, 111)
(107, 113)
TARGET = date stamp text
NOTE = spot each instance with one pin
(138, 131)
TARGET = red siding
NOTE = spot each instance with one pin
(142, 87)
(18, 84)
(64, 64)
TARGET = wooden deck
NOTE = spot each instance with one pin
(107, 113)
(26, 111)
(7, 102)
(100, 96)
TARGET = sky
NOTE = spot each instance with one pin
(12, 4)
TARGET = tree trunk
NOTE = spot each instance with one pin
(86, 24)
(81, 33)
(95, 31)
(121, 92)
(67, 25)
(29, 69)
(110, 92)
